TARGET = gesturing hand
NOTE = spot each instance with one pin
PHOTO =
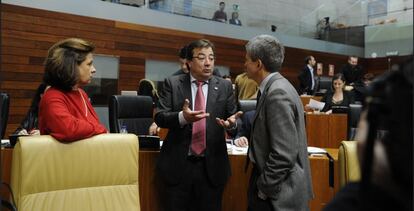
(229, 122)
(241, 142)
(192, 116)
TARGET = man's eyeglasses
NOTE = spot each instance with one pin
(202, 57)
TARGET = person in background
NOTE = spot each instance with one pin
(386, 162)
(337, 96)
(246, 88)
(195, 107)
(29, 125)
(227, 77)
(220, 15)
(307, 77)
(353, 72)
(280, 178)
(64, 110)
(235, 19)
(368, 78)
(182, 61)
(243, 132)
(147, 88)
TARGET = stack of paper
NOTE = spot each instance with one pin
(316, 150)
(316, 105)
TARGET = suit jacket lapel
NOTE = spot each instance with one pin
(185, 89)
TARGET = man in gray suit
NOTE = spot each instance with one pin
(281, 177)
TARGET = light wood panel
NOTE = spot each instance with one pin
(235, 192)
(326, 130)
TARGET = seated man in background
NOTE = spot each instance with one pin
(65, 111)
(386, 162)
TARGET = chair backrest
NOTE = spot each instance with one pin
(324, 85)
(247, 105)
(98, 173)
(4, 109)
(135, 112)
(353, 118)
(349, 170)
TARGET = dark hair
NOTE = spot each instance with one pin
(222, 3)
(183, 52)
(30, 121)
(307, 59)
(203, 43)
(368, 77)
(63, 57)
(352, 56)
(234, 13)
(337, 76)
(389, 105)
(147, 88)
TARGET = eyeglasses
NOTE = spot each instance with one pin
(202, 57)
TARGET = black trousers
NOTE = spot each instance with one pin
(195, 192)
(256, 203)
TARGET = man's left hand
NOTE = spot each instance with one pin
(230, 122)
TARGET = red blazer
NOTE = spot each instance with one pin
(68, 117)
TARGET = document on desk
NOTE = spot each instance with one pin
(316, 150)
(314, 104)
(235, 150)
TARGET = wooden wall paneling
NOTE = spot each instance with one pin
(27, 33)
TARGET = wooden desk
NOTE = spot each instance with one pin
(326, 131)
(235, 192)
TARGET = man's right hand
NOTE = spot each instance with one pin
(241, 142)
(192, 116)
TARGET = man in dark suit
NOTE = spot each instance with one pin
(353, 72)
(307, 77)
(195, 107)
(281, 177)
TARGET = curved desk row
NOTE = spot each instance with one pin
(235, 192)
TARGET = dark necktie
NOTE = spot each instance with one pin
(198, 143)
(259, 93)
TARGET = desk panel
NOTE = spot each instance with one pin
(235, 192)
(326, 130)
